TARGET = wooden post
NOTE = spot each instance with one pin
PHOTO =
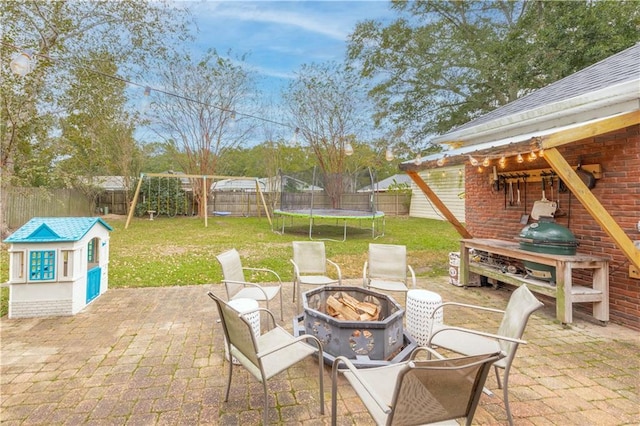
(204, 200)
(439, 204)
(589, 201)
(134, 202)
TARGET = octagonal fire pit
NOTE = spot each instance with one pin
(378, 339)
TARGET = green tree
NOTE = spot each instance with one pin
(59, 33)
(443, 63)
(97, 133)
(205, 124)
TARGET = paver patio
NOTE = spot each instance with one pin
(149, 356)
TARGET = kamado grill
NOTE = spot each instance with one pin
(546, 236)
(367, 343)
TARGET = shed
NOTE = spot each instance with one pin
(57, 266)
(589, 120)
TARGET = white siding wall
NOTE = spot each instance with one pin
(448, 185)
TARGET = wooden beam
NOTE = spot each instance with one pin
(439, 204)
(592, 205)
(132, 208)
(601, 127)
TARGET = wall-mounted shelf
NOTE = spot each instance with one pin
(536, 175)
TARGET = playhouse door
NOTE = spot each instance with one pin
(93, 283)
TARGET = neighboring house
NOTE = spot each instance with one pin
(590, 121)
(384, 184)
(448, 184)
(238, 185)
(57, 266)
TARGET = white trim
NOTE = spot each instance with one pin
(621, 98)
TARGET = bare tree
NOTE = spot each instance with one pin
(204, 108)
(328, 104)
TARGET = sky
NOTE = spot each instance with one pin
(280, 36)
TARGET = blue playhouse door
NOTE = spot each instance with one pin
(93, 283)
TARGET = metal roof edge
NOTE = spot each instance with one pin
(602, 103)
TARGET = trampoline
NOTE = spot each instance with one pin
(300, 199)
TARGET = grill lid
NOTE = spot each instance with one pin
(547, 233)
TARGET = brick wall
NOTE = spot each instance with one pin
(618, 190)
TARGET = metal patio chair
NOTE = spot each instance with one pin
(417, 392)
(265, 355)
(310, 266)
(386, 269)
(238, 287)
(522, 304)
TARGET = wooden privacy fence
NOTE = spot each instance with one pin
(25, 203)
(246, 203)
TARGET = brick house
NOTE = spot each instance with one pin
(579, 138)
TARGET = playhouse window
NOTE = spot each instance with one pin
(42, 265)
(17, 266)
(92, 251)
(66, 264)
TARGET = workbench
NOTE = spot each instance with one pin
(565, 293)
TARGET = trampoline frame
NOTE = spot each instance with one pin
(337, 214)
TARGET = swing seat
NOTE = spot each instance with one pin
(222, 213)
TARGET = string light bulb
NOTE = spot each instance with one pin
(532, 156)
(22, 64)
(486, 162)
(418, 160)
(294, 138)
(519, 158)
(388, 155)
(441, 161)
(502, 161)
(541, 153)
(348, 149)
(147, 91)
(473, 161)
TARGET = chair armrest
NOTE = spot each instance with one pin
(364, 274)
(479, 333)
(334, 376)
(413, 275)
(430, 351)
(464, 305)
(261, 310)
(337, 269)
(296, 270)
(248, 284)
(294, 340)
(271, 271)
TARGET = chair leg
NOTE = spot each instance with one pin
(497, 377)
(321, 381)
(266, 403)
(505, 391)
(226, 394)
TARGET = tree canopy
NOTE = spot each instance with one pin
(443, 63)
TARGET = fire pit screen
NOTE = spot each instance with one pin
(363, 325)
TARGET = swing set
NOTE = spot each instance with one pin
(165, 196)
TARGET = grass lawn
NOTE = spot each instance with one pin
(181, 251)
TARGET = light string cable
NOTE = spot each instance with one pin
(148, 88)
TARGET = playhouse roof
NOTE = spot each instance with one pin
(55, 229)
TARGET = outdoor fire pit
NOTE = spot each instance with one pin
(371, 335)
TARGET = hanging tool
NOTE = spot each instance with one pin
(505, 193)
(510, 193)
(518, 192)
(543, 207)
